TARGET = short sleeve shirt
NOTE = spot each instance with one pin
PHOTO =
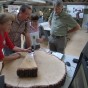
(60, 23)
(18, 28)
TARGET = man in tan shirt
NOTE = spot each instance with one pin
(20, 26)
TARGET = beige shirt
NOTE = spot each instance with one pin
(18, 28)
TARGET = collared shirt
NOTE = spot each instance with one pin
(60, 23)
(18, 28)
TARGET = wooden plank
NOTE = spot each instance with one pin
(28, 67)
(28, 62)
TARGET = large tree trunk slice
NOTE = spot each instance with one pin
(51, 72)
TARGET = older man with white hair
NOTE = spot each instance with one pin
(60, 21)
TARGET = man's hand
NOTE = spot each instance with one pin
(27, 50)
(17, 49)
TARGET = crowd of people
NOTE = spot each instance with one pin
(12, 27)
(26, 23)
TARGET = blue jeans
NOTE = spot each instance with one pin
(7, 51)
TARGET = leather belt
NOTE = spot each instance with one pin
(57, 36)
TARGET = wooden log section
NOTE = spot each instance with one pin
(51, 72)
(28, 67)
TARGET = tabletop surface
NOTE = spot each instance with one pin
(51, 71)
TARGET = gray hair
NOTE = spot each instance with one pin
(58, 3)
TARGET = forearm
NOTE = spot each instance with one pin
(12, 57)
(17, 49)
(74, 29)
(28, 40)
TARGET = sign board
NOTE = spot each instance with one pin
(13, 8)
